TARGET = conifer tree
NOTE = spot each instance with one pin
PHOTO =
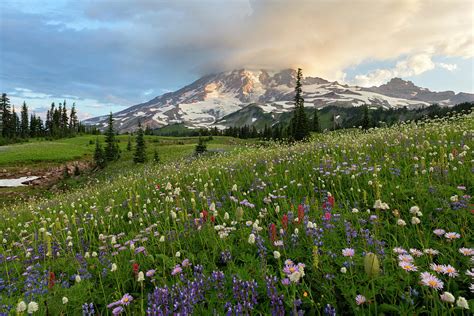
(99, 158)
(201, 147)
(112, 151)
(129, 144)
(156, 156)
(140, 151)
(316, 124)
(6, 117)
(73, 121)
(299, 124)
(24, 127)
(366, 119)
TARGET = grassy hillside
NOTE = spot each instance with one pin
(349, 223)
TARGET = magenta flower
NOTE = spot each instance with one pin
(126, 299)
(150, 273)
(348, 252)
(176, 270)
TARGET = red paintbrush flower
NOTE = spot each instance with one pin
(331, 200)
(300, 213)
(135, 267)
(327, 216)
(284, 221)
(273, 232)
(51, 280)
(213, 219)
(204, 215)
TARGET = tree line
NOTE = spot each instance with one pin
(60, 122)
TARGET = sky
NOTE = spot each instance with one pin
(106, 55)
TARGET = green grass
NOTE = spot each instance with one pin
(225, 212)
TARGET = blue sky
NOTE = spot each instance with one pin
(106, 55)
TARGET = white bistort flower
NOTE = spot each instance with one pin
(32, 307)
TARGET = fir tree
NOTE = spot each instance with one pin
(99, 158)
(6, 117)
(366, 119)
(112, 151)
(73, 121)
(156, 156)
(24, 127)
(129, 144)
(201, 147)
(140, 151)
(299, 124)
(316, 124)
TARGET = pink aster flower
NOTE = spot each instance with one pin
(431, 281)
(348, 252)
(467, 251)
(176, 270)
(407, 266)
(406, 258)
(416, 252)
(437, 267)
(126, 299)
(452, 235)
(360, 299)
(439, 232)
(450, 271)
(399, 250)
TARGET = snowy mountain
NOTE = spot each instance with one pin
(210, 100)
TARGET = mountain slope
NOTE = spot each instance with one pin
(205, 102)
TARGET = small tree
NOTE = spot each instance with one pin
(366, 119)
(156, 156)
(140, 153)
(316, 124)
(201, 147)
(99, 158)
(112, 151)
(299, 123)
(129, 144)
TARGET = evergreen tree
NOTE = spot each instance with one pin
(129, 144)
(73, 121)
(24, 127)
(366, 119)
(99, 157)
(6, 117)
(140, 151)
(64, 121)
(299, 122)
(112, 151)
(201, 147)
(15, 124)
(316, 125)
(156, 156)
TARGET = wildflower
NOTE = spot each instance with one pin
(430, 280)
(113, 268)
(65, 300)
(33, 307)
(437, 267)
(185, 263)
(348, 252)
(285, 281)
(450, 271)
(78, 278)
(415, 220)
(416, 252)
(360, 299)
(177, 254)
(431, 252)
(239, 213)
(414, 209)
(343, 270)
(447, 297)
(467, 251)
(251, 239)
(399, 250)
(461, 302)
(126, 299)
(150, 273)
(407, 266)
(405, 258)
(176, 270)
(140, 277)
(452, 235)
(276, 254)
(135, 267)
(439, 232)
(21, 307)
(117, 310)
(284, 221)
(401, 222)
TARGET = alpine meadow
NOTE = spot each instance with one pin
(237, 157)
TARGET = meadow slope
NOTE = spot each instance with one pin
(352, 222)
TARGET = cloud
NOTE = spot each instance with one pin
(449, 67)
(409, 67)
